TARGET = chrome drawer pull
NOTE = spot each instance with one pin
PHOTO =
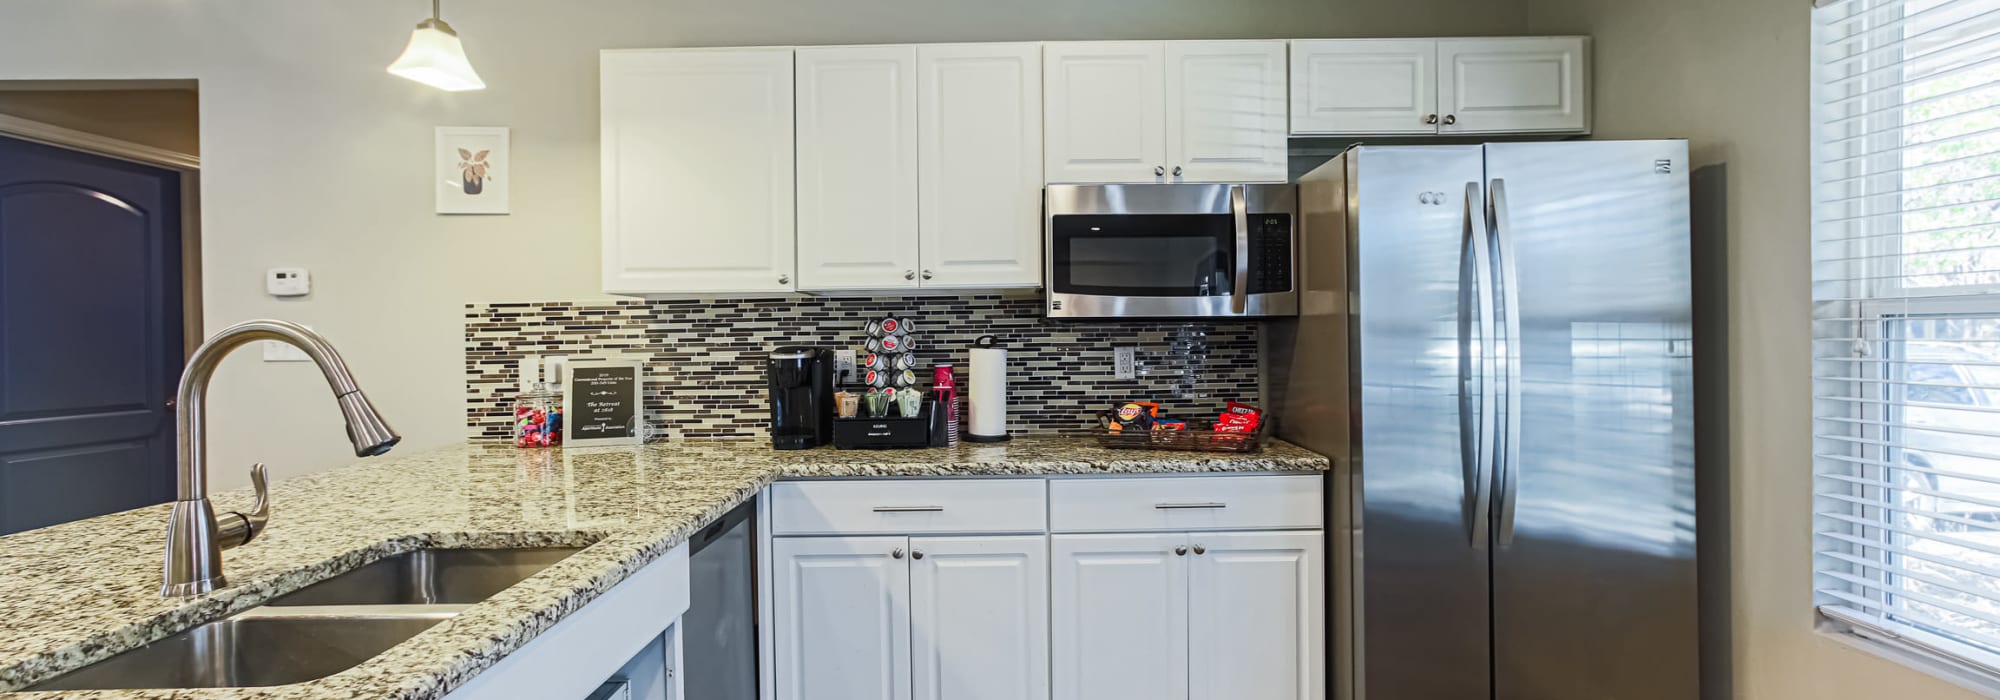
(909, 509)
(1189, 506)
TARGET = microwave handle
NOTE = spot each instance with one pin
(1240, 300)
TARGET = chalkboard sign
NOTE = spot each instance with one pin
(601, 403)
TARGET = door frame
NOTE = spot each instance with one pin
(189, 167)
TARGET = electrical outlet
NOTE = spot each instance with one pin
(1125, 362)
(843, 365)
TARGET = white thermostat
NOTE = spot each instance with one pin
(287, 282)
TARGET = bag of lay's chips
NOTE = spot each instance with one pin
(1137, 415)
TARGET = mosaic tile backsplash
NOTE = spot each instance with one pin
(705, 357)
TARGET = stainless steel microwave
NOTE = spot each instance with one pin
(1171, 251)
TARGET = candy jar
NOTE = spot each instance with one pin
(537, 418)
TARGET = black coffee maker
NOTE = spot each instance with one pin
(801, 397)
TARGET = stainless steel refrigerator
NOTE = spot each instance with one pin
(1495, 345)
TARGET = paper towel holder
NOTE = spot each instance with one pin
(985, 401)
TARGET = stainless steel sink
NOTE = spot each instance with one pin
(429, 577)
(252, 650)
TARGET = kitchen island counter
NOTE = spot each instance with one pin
(80, 592)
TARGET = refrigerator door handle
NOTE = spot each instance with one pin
(1239, 301)
(1477, 365)
(1510, 364)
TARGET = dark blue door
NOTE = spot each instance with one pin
(90, 334)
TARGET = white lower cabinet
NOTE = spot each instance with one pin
(1120, 617)
(843, 617)
(901, 618)
(1195, 616)
(979, 618)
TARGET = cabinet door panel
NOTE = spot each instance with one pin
(842, 610)
(857, 161)
(1364, 86)
(1103, 101)
(1119, 610)
(979, 618)
(1225, 111)
(1256, 616)
(1511, 85)
(696, 153)
(979, 125)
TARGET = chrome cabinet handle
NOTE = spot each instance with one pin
(784, 279)
(896, 553)
(1199, 550)
(927, 274)
(1430, 119)
(1450, 119)
(1190, 506)
(1159, 170)
(916, 554)
(909, 274)
(909, 509)
(1180, 551)
(1177, 171)
(1238, 205)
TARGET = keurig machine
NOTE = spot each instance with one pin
(801, 397)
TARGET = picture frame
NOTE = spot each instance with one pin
(472, 171)
(603, 403)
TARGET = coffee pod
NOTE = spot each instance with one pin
(877, 378)
(906, 344)
(906, 378)
(906, 361)
(874, 345)
(890, 325)
(892, 344)
(875, 328)
(876, 361)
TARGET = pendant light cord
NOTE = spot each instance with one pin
(435, 14)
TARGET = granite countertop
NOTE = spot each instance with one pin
(80, 592)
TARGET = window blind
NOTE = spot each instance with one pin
(1906, 324)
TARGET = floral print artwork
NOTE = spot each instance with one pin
(473, 170)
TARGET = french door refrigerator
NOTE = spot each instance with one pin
(1494, 343)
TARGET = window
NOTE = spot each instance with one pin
(1906, 326)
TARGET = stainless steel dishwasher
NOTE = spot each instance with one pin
(719, 630)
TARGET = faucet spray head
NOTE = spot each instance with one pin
(370, 434)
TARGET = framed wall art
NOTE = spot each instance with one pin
(473, 170)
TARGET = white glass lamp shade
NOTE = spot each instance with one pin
(435, 58)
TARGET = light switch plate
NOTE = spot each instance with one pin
(287, 282)
(1125, 362)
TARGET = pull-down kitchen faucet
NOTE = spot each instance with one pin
(195, 535)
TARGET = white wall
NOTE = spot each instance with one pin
(313, 156)
(1731, 75)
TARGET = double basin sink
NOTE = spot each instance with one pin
(322, 629)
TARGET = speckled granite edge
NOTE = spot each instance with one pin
(657, 496)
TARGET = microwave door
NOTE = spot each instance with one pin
(1169, 251)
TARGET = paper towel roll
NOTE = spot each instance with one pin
(986, 392)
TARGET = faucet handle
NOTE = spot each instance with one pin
(236, 528)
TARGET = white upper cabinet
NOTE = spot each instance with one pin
(979, 150)
(1364, 86)
(1175, 111)
(696, 151)
(857, 167)
(1493, 86)
(1104, 103)
(842, 609)
(1225, 111)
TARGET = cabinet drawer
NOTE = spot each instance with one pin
(908, 506)
(1185, 503)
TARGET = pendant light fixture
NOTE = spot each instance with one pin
(435, 58)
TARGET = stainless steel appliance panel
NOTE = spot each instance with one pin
(1422, 590)
(1594, 523)
(1194, 200)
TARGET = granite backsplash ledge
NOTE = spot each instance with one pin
(704, 358)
